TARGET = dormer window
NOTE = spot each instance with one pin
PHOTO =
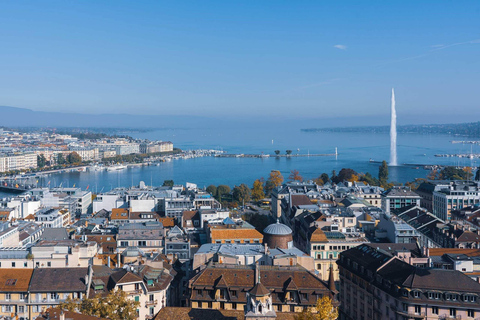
(416, 294)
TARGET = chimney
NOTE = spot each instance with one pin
(108, 261)
(265, 247)
(257, 273)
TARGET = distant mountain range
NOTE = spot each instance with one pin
(471, 129)
(20, 117)
(12, 117)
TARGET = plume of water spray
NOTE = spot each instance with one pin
(393, 132)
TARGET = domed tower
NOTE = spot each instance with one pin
(278, 235)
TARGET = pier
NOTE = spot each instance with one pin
(241, 155)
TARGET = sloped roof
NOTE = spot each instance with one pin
(182, 313)
(124, 276)
(259, 290)
(15, 280)
(58, 280)
(300, 200)
(318, 236)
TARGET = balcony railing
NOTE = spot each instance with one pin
(151, 303)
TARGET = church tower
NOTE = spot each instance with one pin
(259, 302)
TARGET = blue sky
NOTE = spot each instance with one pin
(242, 58)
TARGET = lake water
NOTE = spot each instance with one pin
(354, 151)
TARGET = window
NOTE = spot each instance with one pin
(8, 296)
(234, 293)
(151, 298)
(123, 243)
(471, 313)
(49, 264)
(25, 264)
(120, 287)
(13, 264)
(234, 306)
(8, 308)
(453, 312)
(137, 298)
(435, 310)
(137, 286)
(53, 296)
(416, 294)
(418, 309)
(21, 309)
(152, 310)
(142, 243)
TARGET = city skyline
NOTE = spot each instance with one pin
(225, 60)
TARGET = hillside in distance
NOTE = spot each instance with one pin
(471, 129)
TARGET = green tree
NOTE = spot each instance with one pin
(73, 158)
(242, 193)
(323, 310)
(277, 152)
(41, 161)
(452, 173)
(346, 174)
(168, 183)
(212, 190)
(115, 306)
(368, 178)
(257, 191)
(333, 178)
(324, 177)
(222, 190)
(268, 188)
(383, 173)
(60, 159)
(259, 221)
(289, 152)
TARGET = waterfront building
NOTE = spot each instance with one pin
(22, 205)
(399, 197)
(17, 161)
(374, 285)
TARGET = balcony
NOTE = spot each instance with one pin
(411, 315)
(151, 303)
(448, 317)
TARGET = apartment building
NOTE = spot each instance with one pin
(455, 196)
(399, 197)
(374, 285)
(14, 292)
(225, 287)
(17, 161)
